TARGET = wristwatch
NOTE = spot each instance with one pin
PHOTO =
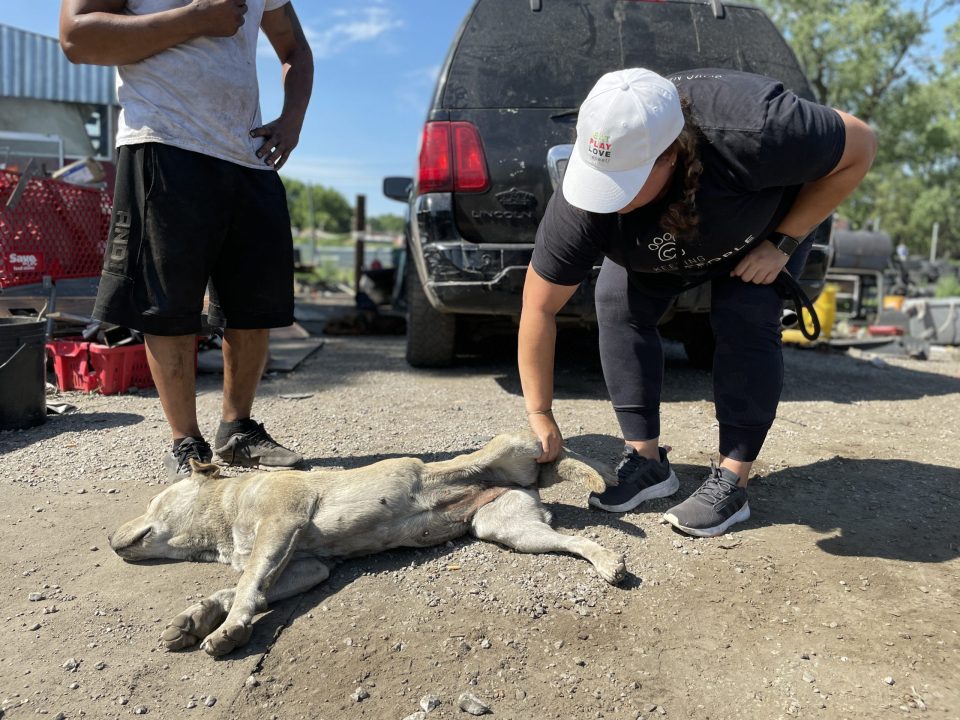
(784, 243)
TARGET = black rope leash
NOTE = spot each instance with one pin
(789, 289)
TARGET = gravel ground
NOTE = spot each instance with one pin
(839, 598)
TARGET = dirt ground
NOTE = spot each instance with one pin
(840, 598)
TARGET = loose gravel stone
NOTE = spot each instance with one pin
(360, 695)
(429, 702)
(472, 704)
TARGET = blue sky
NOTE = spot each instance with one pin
(376, 64)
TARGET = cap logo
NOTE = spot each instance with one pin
(599, 147)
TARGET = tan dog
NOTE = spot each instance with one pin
(284, 530)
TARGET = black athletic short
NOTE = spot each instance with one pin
(183, 220)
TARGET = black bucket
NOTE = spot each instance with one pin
(23, 373)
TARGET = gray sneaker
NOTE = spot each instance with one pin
(641, 479)
(177, 462)
(254, 448)
(713, 508)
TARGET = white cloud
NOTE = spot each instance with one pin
(343, 28)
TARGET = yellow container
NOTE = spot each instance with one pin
(826, 307)
(893, 302)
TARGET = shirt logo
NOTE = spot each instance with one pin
(665, 247)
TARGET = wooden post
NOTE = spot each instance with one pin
(359, 227)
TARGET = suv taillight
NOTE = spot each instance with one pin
(451, 159)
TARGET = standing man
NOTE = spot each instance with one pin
(198, 200)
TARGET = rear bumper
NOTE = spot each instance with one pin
(463, 277)
(487, 279)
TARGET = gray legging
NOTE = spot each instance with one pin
(747, 365)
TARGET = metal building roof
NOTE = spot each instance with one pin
(34, 66)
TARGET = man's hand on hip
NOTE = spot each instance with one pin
(280, 138)
(219, 18)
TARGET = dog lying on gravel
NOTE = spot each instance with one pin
(284, 530)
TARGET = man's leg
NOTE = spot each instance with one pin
(251, 290)
(244, 358)
(171, 361)
(240, 439)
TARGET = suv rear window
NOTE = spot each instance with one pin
(568, 44)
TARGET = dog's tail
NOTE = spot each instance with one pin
(569, 465)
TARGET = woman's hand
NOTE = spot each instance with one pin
(548, 433)
(761, 265)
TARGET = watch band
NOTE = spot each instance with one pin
(786, 244)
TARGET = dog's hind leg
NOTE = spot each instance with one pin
(518, 520)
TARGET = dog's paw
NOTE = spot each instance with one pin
(186, 629)
(611, 566)
(175, 637)
(226, 638)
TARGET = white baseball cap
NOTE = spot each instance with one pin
(629, 118)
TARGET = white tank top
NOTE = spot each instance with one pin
(201, 95)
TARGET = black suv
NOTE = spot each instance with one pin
(501, 128)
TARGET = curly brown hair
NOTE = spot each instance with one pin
(682, 218)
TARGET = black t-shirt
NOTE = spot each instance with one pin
(760, 144)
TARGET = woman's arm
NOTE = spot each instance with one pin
(536, 347)
(98, 32)
(815, 201)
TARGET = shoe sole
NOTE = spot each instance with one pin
(257, 466)
(739, 516)
(663, 489)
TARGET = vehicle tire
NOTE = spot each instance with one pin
(700, 351)
(431, 335)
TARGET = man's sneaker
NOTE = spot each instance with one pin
(177, 462)
(714, 507)
(641, 479)
(254, 448)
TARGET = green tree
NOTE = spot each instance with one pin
(874, 59)
(386, 223)
(331, 211)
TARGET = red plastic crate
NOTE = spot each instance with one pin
(90, 367)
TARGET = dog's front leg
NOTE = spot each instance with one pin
(200, 619)
(517, 519)
(272, 549)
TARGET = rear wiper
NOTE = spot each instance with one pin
(565, 113)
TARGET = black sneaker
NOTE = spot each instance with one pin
(641, 479)
(254, 448)
(713, 508)
(177, 462)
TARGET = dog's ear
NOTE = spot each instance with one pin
(593, 475)
(207, 470)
